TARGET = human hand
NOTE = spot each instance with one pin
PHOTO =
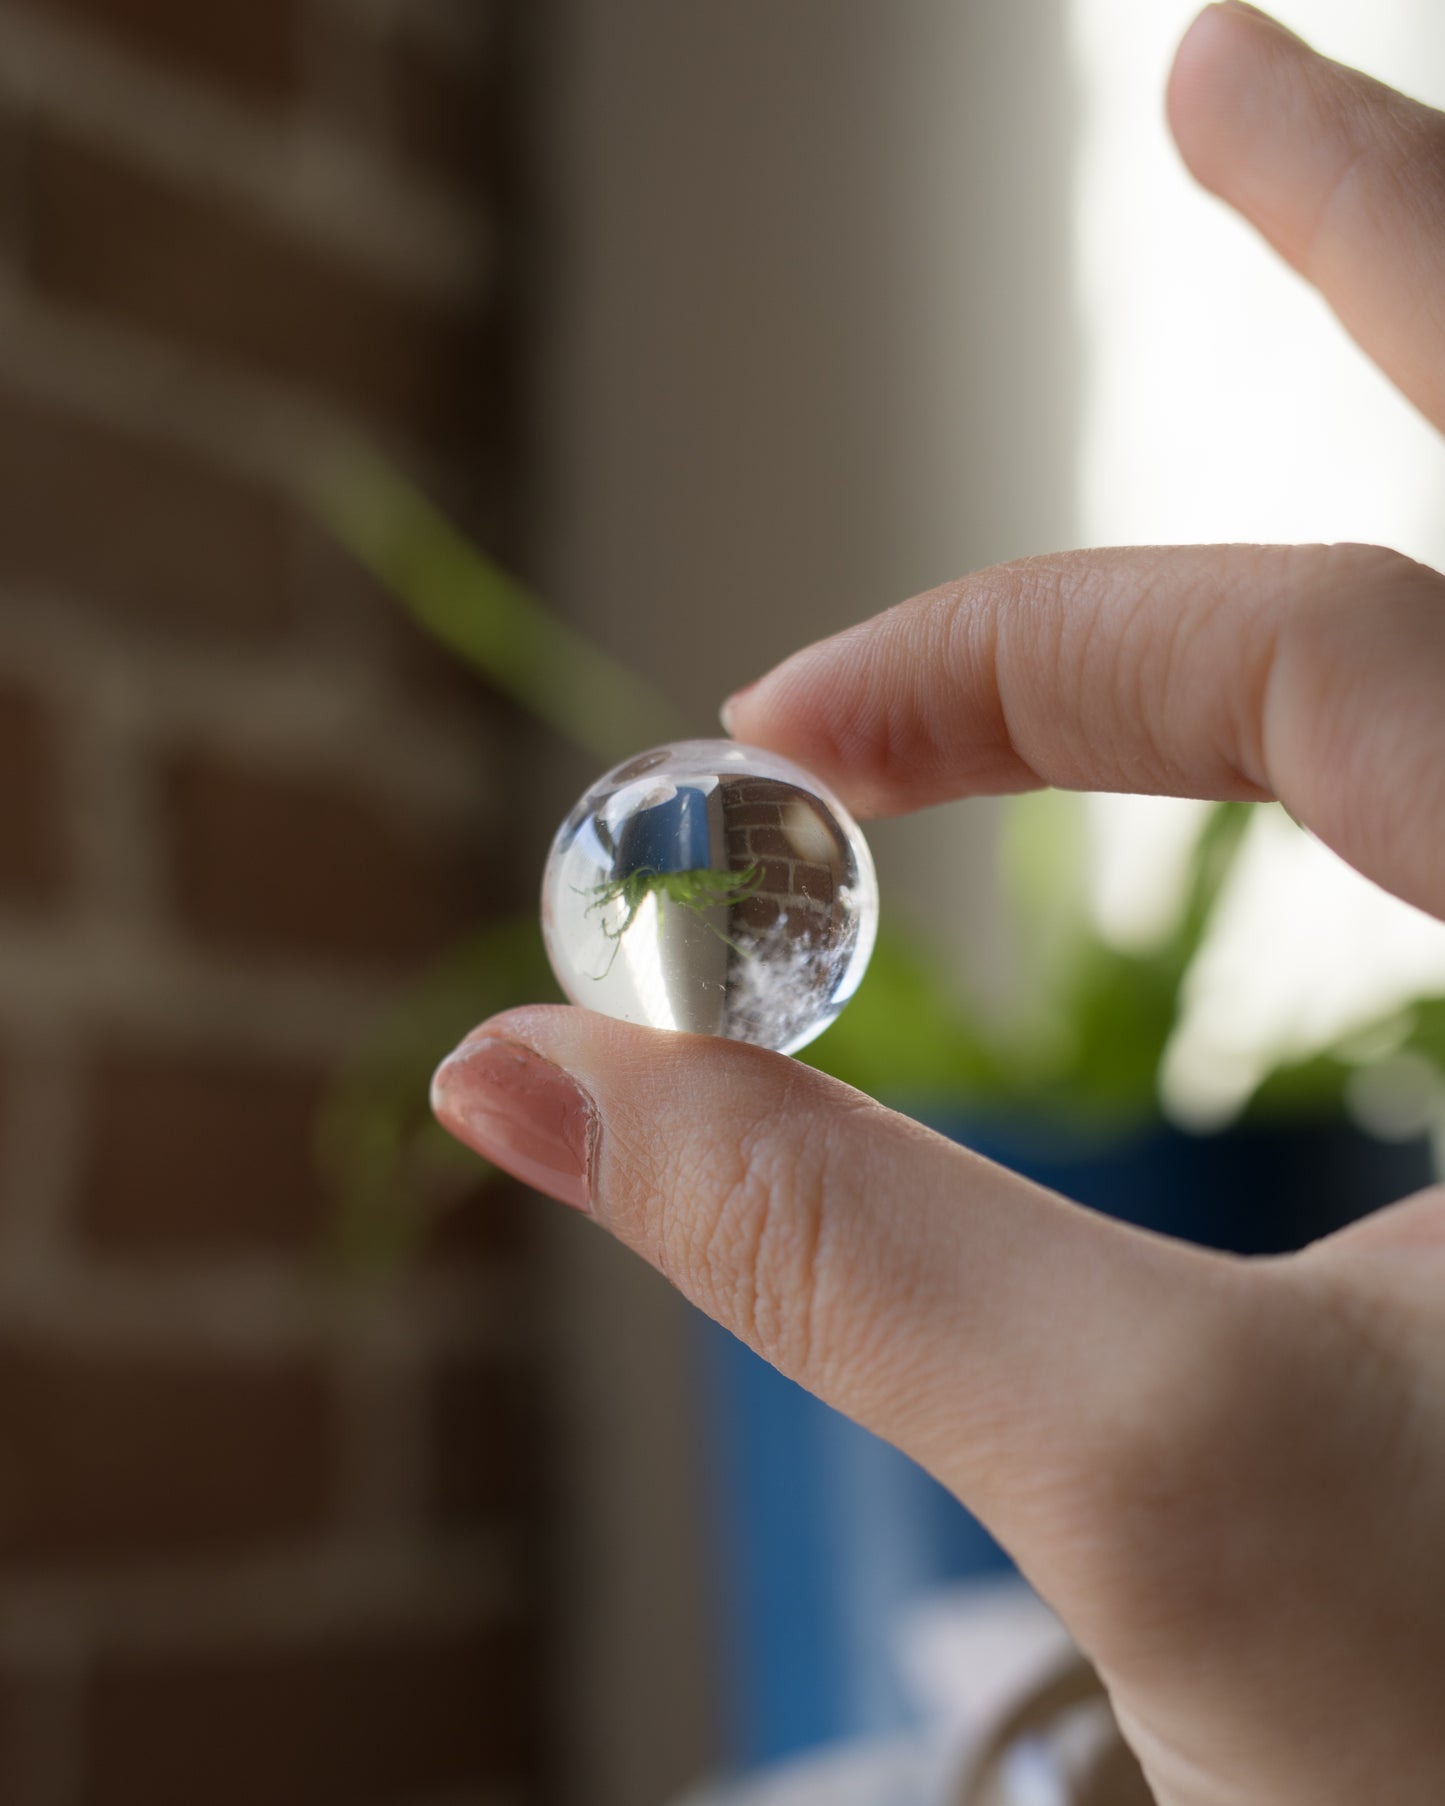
(1228, 1476)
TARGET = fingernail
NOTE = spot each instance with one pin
(518, 1110)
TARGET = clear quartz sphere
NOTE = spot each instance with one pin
(711, 887)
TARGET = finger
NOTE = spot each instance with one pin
(1002, 1337)
(1313, 674)
(1345, 177)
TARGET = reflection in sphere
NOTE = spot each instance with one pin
(715, 888)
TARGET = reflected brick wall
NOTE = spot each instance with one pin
(261, 1538)
(770, 826)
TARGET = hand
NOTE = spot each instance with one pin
(1228, 1476)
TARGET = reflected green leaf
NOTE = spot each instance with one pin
(384, 1159)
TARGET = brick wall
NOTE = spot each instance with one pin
(262, 1538)
(773, 827)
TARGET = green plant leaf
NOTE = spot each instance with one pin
(1213, 860)
(486, 617)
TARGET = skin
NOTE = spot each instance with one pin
(1227, 1475)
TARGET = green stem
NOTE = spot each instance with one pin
(485, 616)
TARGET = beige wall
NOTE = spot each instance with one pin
(807, 348)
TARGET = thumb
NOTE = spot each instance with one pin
(1014, 1344)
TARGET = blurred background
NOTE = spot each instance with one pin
(716, 325)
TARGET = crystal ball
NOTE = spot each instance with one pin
(711, 887)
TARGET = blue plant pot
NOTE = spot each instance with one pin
(822, 1533)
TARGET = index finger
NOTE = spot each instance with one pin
(1314, 674)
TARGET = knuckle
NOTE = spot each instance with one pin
(1359, 567)
(1333, 614)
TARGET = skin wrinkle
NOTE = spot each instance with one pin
(1254, 705)
(697, 1233)
(1172, 691)
(890, 1367)
(1342, 765)
(924, 707)
(957, 633)
(995, 630)
(919, 724)
(1078, 644)
(835, 1331)
(1390, 143)
(844, 734)
(1376, 1354)
(1135, 664)
(745, 1217)
(793, 1237)
(783, 1219)
(1359, 158)
(740, 1227)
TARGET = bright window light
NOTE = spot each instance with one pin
(1223, 402)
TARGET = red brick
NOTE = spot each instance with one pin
(13, 1703)
(443, 109)
(209, 274)
(108, 1456)
(814, 882)
(135, 524)
(35, 1703)
(758, 913)
(250, 49)
(14, 180)
(484, 1446)
(769, 842)
(495, 1222)
(752, 815)
(32, 857)
(777, 878)
(761, 790)
(190, 1151)
(383, 1719)
(262, 862)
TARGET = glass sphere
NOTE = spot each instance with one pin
(715, 888)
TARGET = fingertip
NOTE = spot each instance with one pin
(1192, 56)
(874, 713)
(728, 713)
(534, 1027)
(510, 1100)
(1211, 58)
(775, 711)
